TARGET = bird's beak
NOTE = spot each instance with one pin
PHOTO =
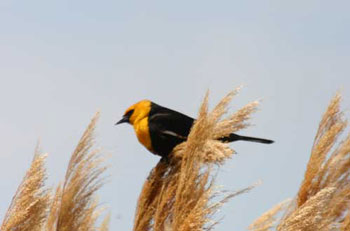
(123, 120)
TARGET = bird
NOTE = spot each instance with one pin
(160, 129)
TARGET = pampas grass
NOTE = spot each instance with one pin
(180, 195)
(268, 220)
(29, 206)
(73, 205)
(323, 200)
(77, 209)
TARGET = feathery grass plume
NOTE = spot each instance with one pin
(323, 200)
(328, 167)
(148, 199)
(29, 206)
(312, 214)
(54, 209)
(268, 220)
(213, 150)
(179, 195)
(331, 126)
(77, 208)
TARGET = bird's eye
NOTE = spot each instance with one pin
(129, 113)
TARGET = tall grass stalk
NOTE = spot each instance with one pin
(73, 206)
(29, 207)
(180, 195)
(323, 200)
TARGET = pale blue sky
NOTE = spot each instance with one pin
(60, 61)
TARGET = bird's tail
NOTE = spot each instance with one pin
(234, 137)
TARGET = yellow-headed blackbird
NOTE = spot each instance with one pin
(160, 129)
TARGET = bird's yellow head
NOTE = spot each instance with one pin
(136, 112)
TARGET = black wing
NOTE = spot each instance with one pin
(167, 128)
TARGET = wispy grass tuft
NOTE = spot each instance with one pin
(319, 173)
(180, 195)
(54, 209)
(268, 220)
(29, 206)
(78, 208)
(323, 200)
(73, 206)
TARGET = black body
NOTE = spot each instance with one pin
(169, 128)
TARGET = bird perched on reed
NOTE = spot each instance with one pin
(160, 129)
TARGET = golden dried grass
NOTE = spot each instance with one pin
(312, 215)
(77, 209)
(180, 195)
(73, 206)
(322, 202)
(331, 126)
(54, 209)
(268, 220)
(29, 206)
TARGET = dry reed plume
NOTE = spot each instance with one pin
(322, 202)
(77, 208)
(180, 195)
(267, 221)
(73, 206)
(29, 206)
